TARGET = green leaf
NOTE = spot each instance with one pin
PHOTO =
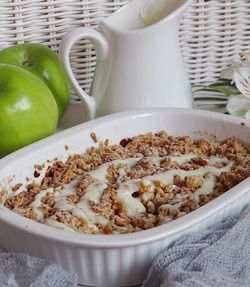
(222, 86)
(241, 111)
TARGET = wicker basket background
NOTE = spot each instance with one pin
(211, 32)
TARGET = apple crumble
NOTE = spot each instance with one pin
(140, 183)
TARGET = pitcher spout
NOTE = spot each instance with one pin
(139, 14)
(155, 11)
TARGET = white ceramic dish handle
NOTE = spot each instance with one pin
(101, 48)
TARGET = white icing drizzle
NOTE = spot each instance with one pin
(133, 205)
(206, 187)
(37, 203)
(126, 189)
(82, 208)
(180, 159)
(168, 176)
(12, 194)
(183, 159)
(100, 172)
(93, 192)
(57, 224)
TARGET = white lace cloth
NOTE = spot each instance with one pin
(22, 270)
(218, 256)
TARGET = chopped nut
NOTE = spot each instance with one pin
(194, 181)
(94, 137)
(16, 187)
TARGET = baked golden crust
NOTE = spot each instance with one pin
(172, 176)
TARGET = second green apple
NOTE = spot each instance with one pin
(44, 63)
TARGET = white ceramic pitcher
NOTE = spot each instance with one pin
(139, 63)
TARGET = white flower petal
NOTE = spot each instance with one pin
(238, 105)
(228, 72)
(246, 55)
(242, 80)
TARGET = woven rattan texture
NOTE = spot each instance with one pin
(211, 31)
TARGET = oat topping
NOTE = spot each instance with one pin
(94, 137)
(138, 184)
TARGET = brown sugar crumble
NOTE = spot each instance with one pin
(140, 183)
(94, 137)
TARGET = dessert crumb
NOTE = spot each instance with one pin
(94, 137)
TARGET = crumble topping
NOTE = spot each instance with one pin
(138, 184)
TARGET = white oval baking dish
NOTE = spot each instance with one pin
(116, 260)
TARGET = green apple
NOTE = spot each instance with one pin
(43, 62)
(28, 110)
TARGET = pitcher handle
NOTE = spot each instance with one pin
(101, 48)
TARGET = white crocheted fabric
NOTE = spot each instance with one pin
(215, 257)
(21, 270)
